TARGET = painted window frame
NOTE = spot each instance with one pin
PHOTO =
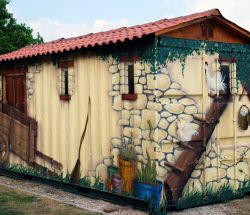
(65, 81)
(64, 67)
(231, 64)
(130, 95)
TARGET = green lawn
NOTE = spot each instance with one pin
(15, 202)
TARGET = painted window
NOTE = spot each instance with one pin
(225, 73)
(233, 78)
(131, 83)
(65, 82)
(228, 71)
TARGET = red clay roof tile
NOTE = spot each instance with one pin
(111, 36)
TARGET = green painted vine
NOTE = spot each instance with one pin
(170, 49)
(158, 51)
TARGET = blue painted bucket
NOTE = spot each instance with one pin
(148, 192)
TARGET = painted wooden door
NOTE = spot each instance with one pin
(15, 91)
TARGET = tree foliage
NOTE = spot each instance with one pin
(14, 35)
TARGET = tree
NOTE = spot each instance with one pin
(14, 35)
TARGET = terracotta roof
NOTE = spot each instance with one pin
(101, 38)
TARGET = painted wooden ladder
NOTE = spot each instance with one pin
(184, 166)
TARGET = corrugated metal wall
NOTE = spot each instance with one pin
(163, 100)
(61, 123)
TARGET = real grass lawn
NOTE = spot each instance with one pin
(15, 202)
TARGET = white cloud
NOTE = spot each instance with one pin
(52, 29)
(102, 24)
(235, 11)
(246, 24)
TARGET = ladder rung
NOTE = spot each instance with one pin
(173, 167)
(195, 140)
(214, 121)
(194, 163)
(205, 121)
(185, 145)
(199, 119)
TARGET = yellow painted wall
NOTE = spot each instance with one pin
(191, 78)
(192, 85)
(230, 145)
(61, 123)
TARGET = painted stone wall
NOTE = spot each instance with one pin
(217, 169)
(30, 80)
(61, 81)
(154, 104)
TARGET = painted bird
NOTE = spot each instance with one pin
(213, 84)
(185, 130)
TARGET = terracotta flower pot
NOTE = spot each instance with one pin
(128, 170)
(109, 184)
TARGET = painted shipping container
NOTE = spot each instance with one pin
(160, 115)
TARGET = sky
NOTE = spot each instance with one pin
(55, 19)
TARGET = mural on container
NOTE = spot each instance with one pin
(164, 120)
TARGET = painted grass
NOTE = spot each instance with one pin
(15, 202)
(225, 193)
(190, 199)
(42, 172)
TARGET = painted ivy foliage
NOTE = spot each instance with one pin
(158, 51)
(144, 48)
(171, 49)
